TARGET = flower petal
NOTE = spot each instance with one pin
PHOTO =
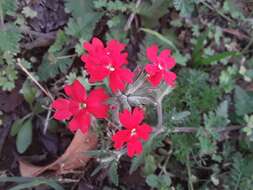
(152, 52)
(130, 120)
(137, 116)
(97, 72)
(125, 118)
(151, 69)
(170, 78)
(126, 75)
(134, 148)
(96, 103)
(156, 78)
(120, 137)
(115, 82)
(80, 121)
(76, 91)
(165, 53)
(61, 106)
(115, 46)
(144, 131)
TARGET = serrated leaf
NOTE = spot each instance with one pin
(28, 12)
(9, 39)
(8, 7)
(147, 12)
(243, 101)
(24, 137)
(185, 7)
(153, 181)
(82, 25)
(60, 41)
(51, 66)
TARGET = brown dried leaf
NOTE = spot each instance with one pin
(73, 157)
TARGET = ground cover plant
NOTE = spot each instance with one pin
(121, 94)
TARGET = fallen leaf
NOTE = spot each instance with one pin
(73, 158)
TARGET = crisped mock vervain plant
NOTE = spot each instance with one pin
(129, 92)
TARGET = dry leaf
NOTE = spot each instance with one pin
(73, 157)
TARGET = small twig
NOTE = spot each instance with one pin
(66, 56)
(235, 33)
(159, 112)
(218, 11)
(123, 100)
(131, 17)
(34, 80)
(47, 121)
(194, 130)
(49, 35)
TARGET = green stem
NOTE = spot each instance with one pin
(190, 185)
(1, 15)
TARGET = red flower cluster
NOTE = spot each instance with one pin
(160, 67)
(134, 132)
(80, 107)
(102, 62)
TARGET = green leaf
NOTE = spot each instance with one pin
(233, 8)
(180, 116)
(28, 182)
(153, 181)
(52, 66)
(60, 41)
(9, 38)
(198, 48)
(218, 57)
(160, 36)
(243, 101)
(24, 137)
(16, 126)
(8, 75)
(150, 165)
(185, 7)
(113, 173)
(112, 6)
(29, 92)
(148, 10)
(28, 12)
(82, 25)
(148, 147)
(8, 7)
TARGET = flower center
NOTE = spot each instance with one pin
(160, 67)
(82, 105)
(133, 132)
(110, 67)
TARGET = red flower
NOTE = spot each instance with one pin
(134, 132)
(79, 107)
(160, 66)
(102, 62)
